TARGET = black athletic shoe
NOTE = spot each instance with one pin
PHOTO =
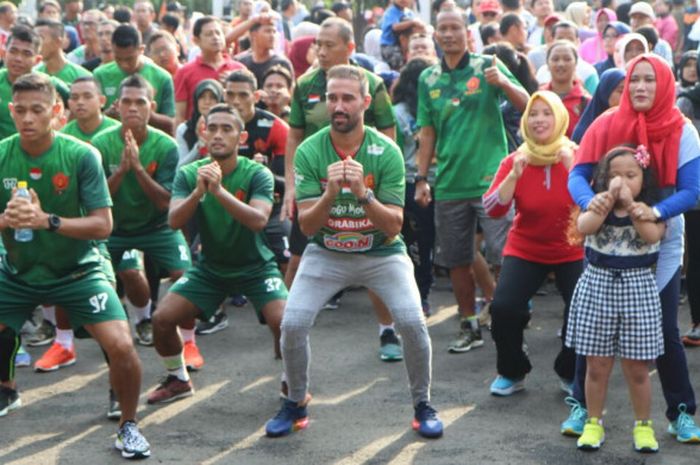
(9, 400)
(218, 322)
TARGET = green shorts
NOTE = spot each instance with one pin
(207, 290)
(166, 248)
(87, 300)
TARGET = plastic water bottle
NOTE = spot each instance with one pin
(23, 235)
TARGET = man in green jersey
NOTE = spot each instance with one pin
(68, 211)
(350, 184)
(55, 63)
(140, 162)
(129, 59)
(335, 44)
(231, 197)
(85, 103)
(460, 121)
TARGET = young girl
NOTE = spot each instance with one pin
(615, 309)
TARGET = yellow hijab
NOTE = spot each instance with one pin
(545, 154)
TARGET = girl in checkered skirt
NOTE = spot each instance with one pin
(615, 310)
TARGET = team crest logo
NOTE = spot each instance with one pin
(60, 182)
(473, 85)
(151, 168)
(369, 181)
(240, 195)
(35, 173)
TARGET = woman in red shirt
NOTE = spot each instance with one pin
(561, 60)
(535, 178)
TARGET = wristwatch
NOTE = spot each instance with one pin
(418, 178)
(368, 198)
(54, 222)
(657, 214)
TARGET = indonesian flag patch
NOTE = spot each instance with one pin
(35, 173)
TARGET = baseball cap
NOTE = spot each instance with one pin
(642, 8)
(551, 19)
(490, 6)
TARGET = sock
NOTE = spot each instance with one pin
(187, 334)
(143, 313)
(175, 365)
(65, 338)
(49, 313)
(473, 322)
(382, 328)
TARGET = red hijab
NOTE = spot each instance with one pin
(659, 129)
(297, 54)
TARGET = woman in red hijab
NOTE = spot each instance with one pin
(299, 54)
(648, 116)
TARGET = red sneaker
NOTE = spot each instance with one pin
(193, 358)
(172, 388)
(56, 357)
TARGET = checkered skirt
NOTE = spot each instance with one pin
(616, 312)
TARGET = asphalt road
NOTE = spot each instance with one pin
(361, 409)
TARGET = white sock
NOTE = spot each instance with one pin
(49, 313)
(176, 366)
(382, 328)
(65, 338)
(187, 334)
(142, 313)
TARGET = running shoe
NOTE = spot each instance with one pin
(131, 442)
(114, 409)
(467, 339)
(390, 346)
(193, 358)
(170, 389)
(28, 328)
(22, 358)
(44, 335)
(218, 322)
(9, 400)
(238, 300)
(644, 439)
(426, 422)
(483, 311)
(333, 303)
(56, 357)
(290, 418)
(573, 426)
(692, 337)
(144, 332)
(684, 428)
(504, 387)
(593, 435)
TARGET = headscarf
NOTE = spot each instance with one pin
(658, 129)
(621, 29)
(609, 80)
(592, 49)
(545, 154)
(685, 58)
(622, 44)
(215, 88)
(297, 54)
(576, 13)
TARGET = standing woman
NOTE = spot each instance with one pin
(647, 116)
(592, 49)
(607, 95)
(535, 178)
(579, 13)
(687, 71)
(188, 134)
(628, 48)
(612, 33)
(561, 60)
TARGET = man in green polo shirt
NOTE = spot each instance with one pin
(55, 63)
(140, 162)
(460, 120)
(68, 211)
(129, 59)
(85, 104)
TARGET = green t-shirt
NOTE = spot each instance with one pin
(465, 112)
(348, 229)
(7, 124)
(69, 73)
(72, 129)
(229, 249)
(70, 183)
(308, 110)
(110, 76)
(134, 213)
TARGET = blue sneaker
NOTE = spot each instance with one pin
(503, 386)
(573, 426)
(426, 421)
(22, 358)
(684, 428)
(290, 418)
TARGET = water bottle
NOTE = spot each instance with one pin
(23, 235)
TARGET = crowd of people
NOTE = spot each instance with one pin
(282, 157)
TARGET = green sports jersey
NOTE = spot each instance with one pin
(308, 110)
(72, 129)
(70, 183)
(110, 76)
(229, 249)
(465, 112)
(133, 212)
(69, 73)
(7, 125)
(348, 229)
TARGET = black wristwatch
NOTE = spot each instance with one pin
(367, 199)
(54, 222)
(418, 178)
